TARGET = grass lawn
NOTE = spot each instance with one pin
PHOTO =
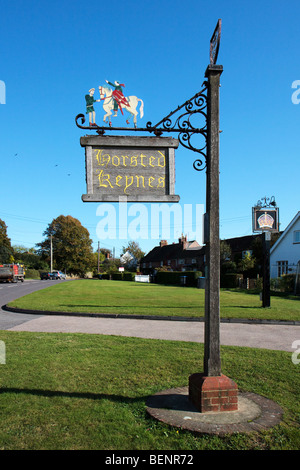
(78, 391)
(123, 297)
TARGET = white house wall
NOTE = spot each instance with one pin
(286, 250)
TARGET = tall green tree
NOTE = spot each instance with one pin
(29, 258)
(134, 248)
(6, 250)
(71, 245)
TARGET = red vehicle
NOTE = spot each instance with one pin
(12, 272)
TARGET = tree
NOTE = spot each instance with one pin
(226, 265)
(29, 258)
(225, 251)
(134, 249)
(247, 264)
(71, 245)
(6, 250)
(132, 254)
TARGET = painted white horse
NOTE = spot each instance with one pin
(108, 105)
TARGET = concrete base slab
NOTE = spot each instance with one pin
(254, 413)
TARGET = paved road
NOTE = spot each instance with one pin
(276, 337)
(11, 291)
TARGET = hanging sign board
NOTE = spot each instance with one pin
(142, 169)
(265, 219)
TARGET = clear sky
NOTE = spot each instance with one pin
(52, 53)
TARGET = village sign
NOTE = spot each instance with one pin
(142, 169)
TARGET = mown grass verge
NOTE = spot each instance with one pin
(78, 391)
(119, 297)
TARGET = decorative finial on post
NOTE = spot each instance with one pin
(215, 43)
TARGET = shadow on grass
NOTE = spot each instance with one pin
(81, 395)
(130, 306)
(242, 306)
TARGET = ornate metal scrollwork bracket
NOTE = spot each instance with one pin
(266, 202)
(184, 125)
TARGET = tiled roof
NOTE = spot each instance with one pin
(168, 252)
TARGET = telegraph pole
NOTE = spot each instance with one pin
(51, 254)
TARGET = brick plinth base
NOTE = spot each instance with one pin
(213, 393)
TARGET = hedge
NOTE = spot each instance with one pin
(129, 276)
(32, 274)
(174, 277)
(117, 276)
(230, 280)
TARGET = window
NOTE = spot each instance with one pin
(282, 268)
(297, 236)
(181, 261)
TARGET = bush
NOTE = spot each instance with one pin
(230, 280)
(32, 274)
(174, 277)
(128, 276)
(285, 283)
(117, 276)
(104, 275)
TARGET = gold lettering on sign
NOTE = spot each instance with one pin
(111, 169)
(162, 157)
(161, 182)
(118, 178)
(150, 161)
(103, 160)
(115, 160)
(150, 180)
(142, 159)
(124, 159)
(129, 181)
(104, 178)
(138, 180)
(133, 161)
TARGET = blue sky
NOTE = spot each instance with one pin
(53, 53)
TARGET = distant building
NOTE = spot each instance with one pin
(240, 246)
(182, 256)
(190, 256)
(285, 253)
(128, 260)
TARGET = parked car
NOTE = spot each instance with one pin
(58, 275)
(45, 276)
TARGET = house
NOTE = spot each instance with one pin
(240, 246)
(190, 256)
(182, 256)
(285, 253)
(128, 260)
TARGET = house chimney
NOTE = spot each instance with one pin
(183, 241)
(163, 243)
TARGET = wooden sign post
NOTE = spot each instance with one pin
(211, 390)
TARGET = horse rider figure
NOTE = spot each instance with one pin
(118, 97)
